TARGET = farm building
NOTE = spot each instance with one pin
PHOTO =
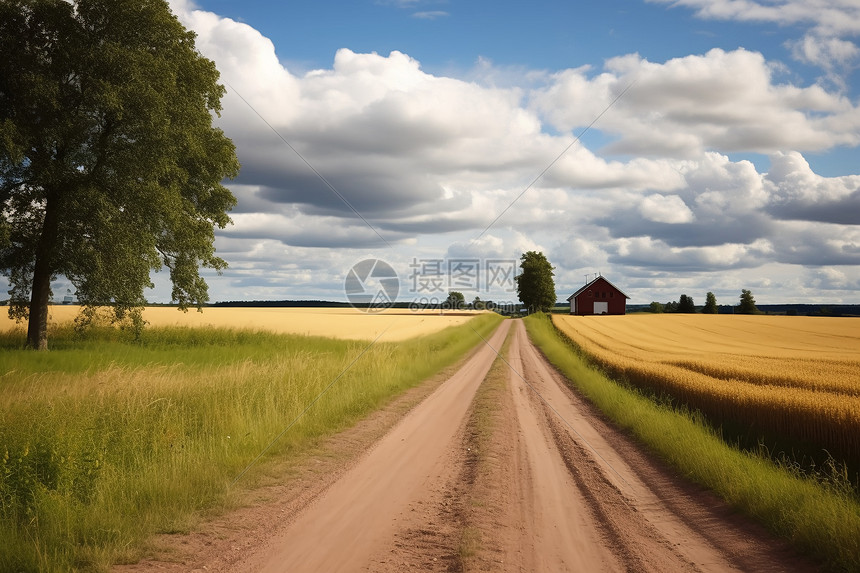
(598, 297)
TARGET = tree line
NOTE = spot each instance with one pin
(685, 304)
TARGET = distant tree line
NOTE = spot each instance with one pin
(686, 305)
(457, 301)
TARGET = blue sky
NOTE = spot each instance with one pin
(446, 36)
(730, 162)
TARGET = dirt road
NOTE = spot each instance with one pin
(598, 503)
(554, 489)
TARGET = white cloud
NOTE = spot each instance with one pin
(724, 101)
(836, 57)
(796, 192)
(825, 52)
(669, 209)
(490, 246)
(430, 161)
(646, 252)
(815, 244)
(830, 17)
(827, 23)
(832, 279)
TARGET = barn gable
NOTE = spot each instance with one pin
(598, 297)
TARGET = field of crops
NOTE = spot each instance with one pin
(797, 377)
(342, 323)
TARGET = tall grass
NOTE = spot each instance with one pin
(105, 441)
(822, 520)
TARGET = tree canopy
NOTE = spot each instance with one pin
(710, 304)
(110, 166)
(456, 300)
(686, 304)
(747, 305)
(535, 284)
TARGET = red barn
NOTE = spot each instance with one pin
(598, 297)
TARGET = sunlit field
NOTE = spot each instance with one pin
(108, 438)
(785, 376)
(342, 323)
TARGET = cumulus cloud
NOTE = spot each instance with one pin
(830, 278)
(431, 161)
(797, 193)
(669, 209)
(491, 246)
(718, 202)
(802, 243)
(721, 100)
(647, 252)
(828, 24)
(374, 130)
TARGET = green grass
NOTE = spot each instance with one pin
(820, 519)
(105, 441)
(484, 420)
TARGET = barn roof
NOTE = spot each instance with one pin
(581, 290)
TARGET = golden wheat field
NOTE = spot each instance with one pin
(344, 323)
(793, 376)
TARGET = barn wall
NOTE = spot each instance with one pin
(616, 301)
(584, 305)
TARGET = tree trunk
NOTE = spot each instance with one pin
(37, 328)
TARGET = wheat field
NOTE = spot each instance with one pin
(342, 323)
(790, 376)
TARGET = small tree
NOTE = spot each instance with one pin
(686, 304)
(535, 285)
(455, 300)
(747, 305)
(710, 304)
(657, 307)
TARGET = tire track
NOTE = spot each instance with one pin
(356, 519)
(651, 519)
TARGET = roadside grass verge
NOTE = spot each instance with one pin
(820, 519)
(105, 441)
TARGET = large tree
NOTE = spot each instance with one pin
(535, 285)
(110, 166)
